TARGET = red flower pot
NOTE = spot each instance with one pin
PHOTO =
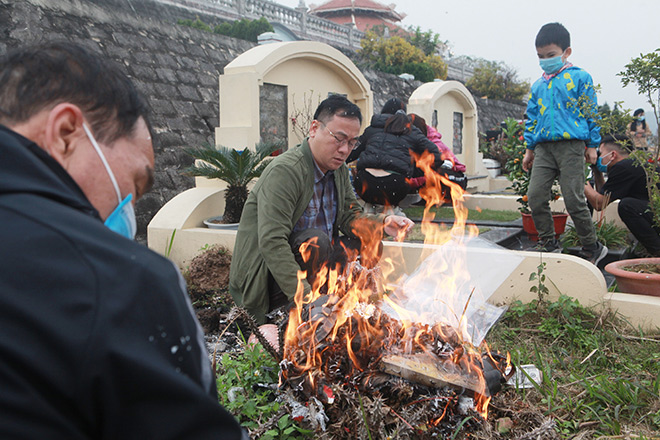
(529, 227)
(634, 282)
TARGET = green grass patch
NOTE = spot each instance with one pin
(415, 235)
(610, 235)
(240, 379)
(601, 377)
(444, 212)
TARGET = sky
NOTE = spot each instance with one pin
(605, 34)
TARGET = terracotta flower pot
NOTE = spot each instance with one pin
(559, 220)
(634, 282)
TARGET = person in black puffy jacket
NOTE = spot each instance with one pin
(385, 166)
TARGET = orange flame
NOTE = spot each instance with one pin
(352, 310)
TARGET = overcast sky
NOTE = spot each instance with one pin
(605, 34)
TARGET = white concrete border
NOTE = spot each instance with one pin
(565, 274)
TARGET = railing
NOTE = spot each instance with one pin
(298, 21)
(458, 72)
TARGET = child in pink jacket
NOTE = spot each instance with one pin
(435, 137)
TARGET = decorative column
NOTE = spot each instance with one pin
(302, 8)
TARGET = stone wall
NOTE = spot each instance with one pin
(385, 86)
(492, 113)
(176, 67)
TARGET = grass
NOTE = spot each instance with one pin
(416, 236)
(446, 212)
(243, 380)
(601, 377)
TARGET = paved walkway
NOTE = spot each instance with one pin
(510, 235)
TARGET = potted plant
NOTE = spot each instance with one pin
(633, 275)
(514, 145)
(491, 146)
(608, 233)
(639, 275)
(235, 167)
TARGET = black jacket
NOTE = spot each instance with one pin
(97, 336)
(391, 152)
(626, 179)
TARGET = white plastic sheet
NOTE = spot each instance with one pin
(452, 286)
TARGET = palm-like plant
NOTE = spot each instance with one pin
(236, 168)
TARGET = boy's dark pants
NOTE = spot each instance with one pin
(563, 160)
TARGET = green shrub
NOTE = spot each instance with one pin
(497, 81)
(243, 29)
(607, 233)
(396, 55)
(244, 389)
(197, 24)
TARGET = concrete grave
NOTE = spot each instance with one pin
(295, 68)
(306, 69)
(450, 108)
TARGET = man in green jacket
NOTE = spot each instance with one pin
(304, 195)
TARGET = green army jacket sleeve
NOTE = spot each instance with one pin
(273, 207)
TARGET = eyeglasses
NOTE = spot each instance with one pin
(353, 143)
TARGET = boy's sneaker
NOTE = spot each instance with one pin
(547, 245)
(594, 255)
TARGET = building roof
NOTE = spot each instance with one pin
(332, 7)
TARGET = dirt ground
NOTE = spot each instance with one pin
(207, 279)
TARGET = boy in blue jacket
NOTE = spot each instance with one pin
(559, 138)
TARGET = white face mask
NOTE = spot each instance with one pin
(122, 219)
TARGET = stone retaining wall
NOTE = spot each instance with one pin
(492, 113)
(176, 67)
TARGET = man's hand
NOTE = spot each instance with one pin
(595, 199)
(398, 226)
(590, 155)
(528, 160)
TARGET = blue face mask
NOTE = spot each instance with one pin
(551, 65)
(122, 219)
(600, 165)
(640, 118)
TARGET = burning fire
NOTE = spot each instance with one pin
(358, 324)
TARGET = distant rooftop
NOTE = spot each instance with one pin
(363, 14)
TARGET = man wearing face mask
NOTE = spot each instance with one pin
(626, 182)
(98, 336)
